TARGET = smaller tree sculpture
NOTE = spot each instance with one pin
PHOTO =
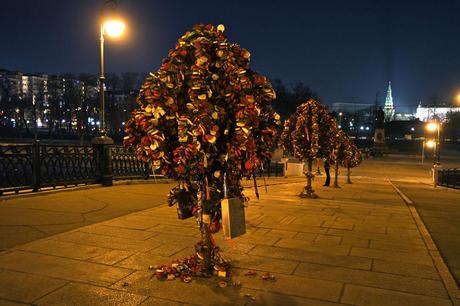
(352, 158)
(307, 135)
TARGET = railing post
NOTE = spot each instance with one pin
(36, 170)
(103, 150)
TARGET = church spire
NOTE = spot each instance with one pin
(389, 107)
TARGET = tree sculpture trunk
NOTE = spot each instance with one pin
(308, 191)
(206, 247)
(336, 175)
(348, 176)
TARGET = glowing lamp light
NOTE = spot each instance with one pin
(114, 28)
(432, 126)
(430, 144)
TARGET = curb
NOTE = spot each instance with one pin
(446, 276)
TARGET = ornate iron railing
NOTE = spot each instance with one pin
(35, 166)
(449, 178)
(62, 165)
(16, 167)
(127, 166)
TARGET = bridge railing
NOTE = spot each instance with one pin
(35, 166)
(449, 178)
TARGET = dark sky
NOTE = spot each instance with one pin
(345, 50)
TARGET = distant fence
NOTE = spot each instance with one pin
(35, 166)
(449, 178)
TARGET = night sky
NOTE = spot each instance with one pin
(345, 50)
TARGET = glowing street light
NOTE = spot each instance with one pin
(435, 127)
(430, 144)
(112, 27)
(432, 126)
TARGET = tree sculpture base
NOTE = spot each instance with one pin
(308, 192)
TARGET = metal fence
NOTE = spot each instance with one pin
(35, 166)
(449, 178)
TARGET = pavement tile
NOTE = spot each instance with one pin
(110, 242)
(81, 294)
(174, 230)
(313, 257)
(356, 242)
(403, 268)
(328, 239)
(101, 229)
(17, 286)
(151, 301)
(63, 268)
(168, 249)
(111, 257)
(313, 247)
(373, 279)
(263, 263)
(397, 245)
(282, 233)
(360, 295)
(142, 261)
(294, 227)
(133, 222)
(294, 285)
(63, 249)
(343, 225)
(421, 257)
(306, 236)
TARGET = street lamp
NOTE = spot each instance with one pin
(113, 27)
(435, 127)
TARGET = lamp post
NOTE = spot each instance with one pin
(113, 28)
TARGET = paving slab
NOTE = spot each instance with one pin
(360, 295)
(24, 287)
(62, 268)
(74, 294)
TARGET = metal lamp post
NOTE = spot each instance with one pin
(112, 27)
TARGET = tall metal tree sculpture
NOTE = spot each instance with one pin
(204, 120)
(300, 138)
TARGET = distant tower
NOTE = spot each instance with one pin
(389, 108)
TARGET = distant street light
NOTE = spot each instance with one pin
(430, 144)
(432, 126)
(340, 120)
(458, 98)
(435, 127)
(113, 27)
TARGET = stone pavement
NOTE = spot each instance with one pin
(28, 217)
(357, 245)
